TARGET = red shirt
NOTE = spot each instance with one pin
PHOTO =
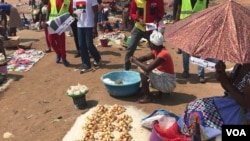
(154, 9)
(59, 4)
(168, 65)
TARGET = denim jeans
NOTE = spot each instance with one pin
(100, 16)
(86, 46)
(136, 36)
(74, 30)
(185, 60)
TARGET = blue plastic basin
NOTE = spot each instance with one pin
(130, 82)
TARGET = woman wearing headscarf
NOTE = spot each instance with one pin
(159, 72)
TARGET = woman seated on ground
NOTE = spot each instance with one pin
(4, 37)
(203, 118)
(159, 72)
(14, 17)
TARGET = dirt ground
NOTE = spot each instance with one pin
(35, 106)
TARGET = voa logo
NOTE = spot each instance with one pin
(236, 132)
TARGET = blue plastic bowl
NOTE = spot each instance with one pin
(130, 82)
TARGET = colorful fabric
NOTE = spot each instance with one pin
(23, 60)
(199, 121)
(161, 81)
(211, 116)
(203, 118)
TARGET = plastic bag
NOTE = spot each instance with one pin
(158, 115)
(170, 134)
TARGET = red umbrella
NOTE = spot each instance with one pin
(221, 32)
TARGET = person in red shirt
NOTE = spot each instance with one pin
(159, 72)
(57, 41)
(142, 11)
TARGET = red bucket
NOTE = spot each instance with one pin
(104, 42)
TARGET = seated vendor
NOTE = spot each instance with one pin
(3, 37)
(14, 18)
(4, 11)
(159, 72)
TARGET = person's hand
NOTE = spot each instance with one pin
(132, 59)
(220, 66)
(44, 25)
(141, 71)
(74, 15)
(221, 77)
(41, 25)
(157, 20)
(220, 73)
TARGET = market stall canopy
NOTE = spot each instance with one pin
(220, 32)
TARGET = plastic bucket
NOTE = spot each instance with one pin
(104, 42)
(80, 102)
(130, 83)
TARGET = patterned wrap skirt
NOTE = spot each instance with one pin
(162, 81)
(203, 118)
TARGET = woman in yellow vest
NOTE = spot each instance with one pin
(57, 42)
(185, 9)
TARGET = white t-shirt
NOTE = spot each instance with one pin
(85, 12)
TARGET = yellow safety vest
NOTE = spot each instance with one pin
(54, 12)
(141, 4)
(187, 10)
